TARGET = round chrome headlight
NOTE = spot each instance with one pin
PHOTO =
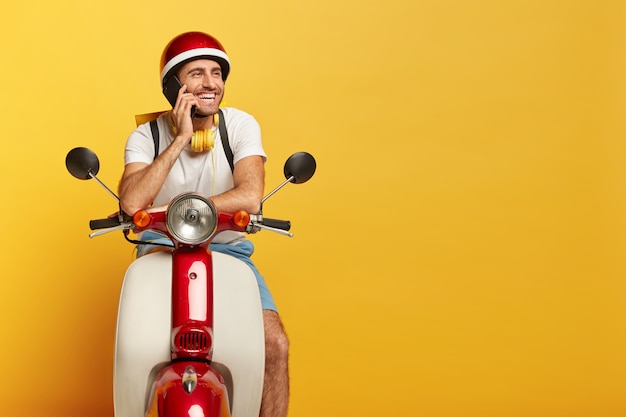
(191, 219)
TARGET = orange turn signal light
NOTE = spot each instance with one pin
(241, 218)
(142, 218)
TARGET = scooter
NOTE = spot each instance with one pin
(189, 338)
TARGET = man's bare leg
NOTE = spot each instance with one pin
(276, 382)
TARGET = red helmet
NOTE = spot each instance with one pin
(189, 46)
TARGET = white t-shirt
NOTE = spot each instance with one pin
(208, 172)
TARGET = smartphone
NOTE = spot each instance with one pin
(170, 90)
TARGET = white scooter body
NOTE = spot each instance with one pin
(143, 340)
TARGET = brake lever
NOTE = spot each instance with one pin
(123, 226)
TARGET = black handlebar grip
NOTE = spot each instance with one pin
(103, 223)
(277, 224)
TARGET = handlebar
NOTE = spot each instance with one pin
(103, 223)
(277, 224)
(257, 223)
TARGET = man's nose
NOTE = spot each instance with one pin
(208, 81)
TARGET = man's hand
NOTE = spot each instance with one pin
(181, 114)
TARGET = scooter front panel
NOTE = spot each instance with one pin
(143, 333)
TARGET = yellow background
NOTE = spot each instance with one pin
(460, 251)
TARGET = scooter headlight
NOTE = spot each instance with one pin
(191, 219)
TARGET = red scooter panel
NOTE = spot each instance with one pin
(176, 382)
(192, 303)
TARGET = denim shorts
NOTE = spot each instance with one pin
(241, 250)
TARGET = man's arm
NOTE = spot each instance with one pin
(249, 180)
(141, 182)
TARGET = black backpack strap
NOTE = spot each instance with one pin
(155, 136)
(225, 143)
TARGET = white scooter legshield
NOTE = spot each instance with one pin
(143, 333)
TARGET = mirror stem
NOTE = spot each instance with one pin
(103, 186)
(288, 180)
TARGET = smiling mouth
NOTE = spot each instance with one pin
(207, 97)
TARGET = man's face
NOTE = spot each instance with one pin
(203, 78)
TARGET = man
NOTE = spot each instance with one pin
(190, 159)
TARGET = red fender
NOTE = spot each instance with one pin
(191, 389)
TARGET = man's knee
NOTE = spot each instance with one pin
(278, 345)
(276, 340)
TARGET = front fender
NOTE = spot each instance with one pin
(191, 389)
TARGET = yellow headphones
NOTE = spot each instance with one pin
(202, 140)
